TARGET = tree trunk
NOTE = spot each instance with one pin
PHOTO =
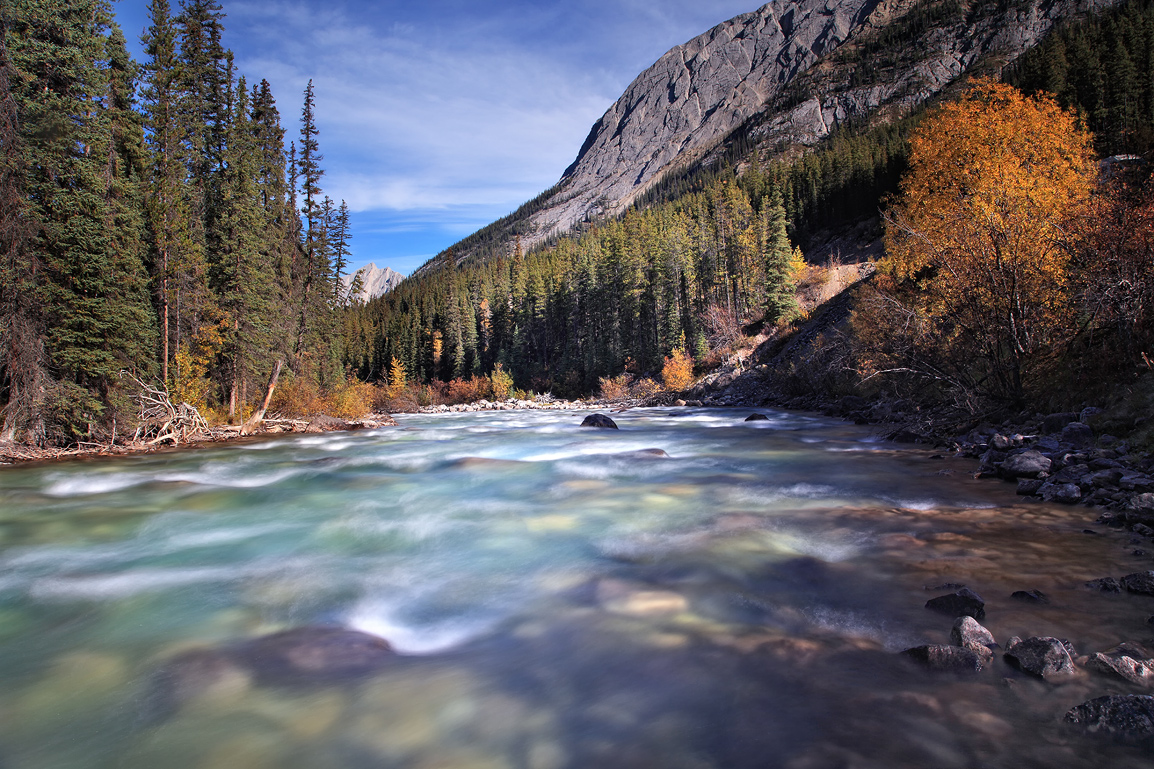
(258, 417)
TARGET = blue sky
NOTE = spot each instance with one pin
(438, 117)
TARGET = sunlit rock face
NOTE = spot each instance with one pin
(780, 74)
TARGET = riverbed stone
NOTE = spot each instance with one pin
(1027, 464)
(1120, 716)
(946, 659)
(1045, 657)
(1028, 487)
(599, 420)
(1078, 434)
(968, 633)
(197, 674)
(1141, 582)
(1030, 596)
(1062, 493)
(961, 603)
(1123, 663)
(1105, 585)
(308, 654)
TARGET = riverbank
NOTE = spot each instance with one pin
(13, 453)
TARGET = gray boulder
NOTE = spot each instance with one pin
(1062, 493)
(1121, 716)
(1078, 435)
(1027, 464)
(315, 654)
(1141, 582)
(961, 603)
(1105, 585)
(946, 659)
(1043, 657)
(1126, 662)
(599, 420)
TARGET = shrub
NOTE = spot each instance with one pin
(677, 373)
(501, 383)
(616, 388)
(350, 400)
(297, 397)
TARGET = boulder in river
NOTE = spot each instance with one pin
(599, 420)
(961, 603)
(1128, 662)
(1141, 582)
(1128, 717)
(1027, 464)
(946, 659)
(1043, 657)
(1030, 596)
(757, 418)
(1105, 585)
(969, 634)
(312, 654)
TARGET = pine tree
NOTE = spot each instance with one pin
(779, 295)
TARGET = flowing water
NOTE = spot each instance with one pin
(558, 598)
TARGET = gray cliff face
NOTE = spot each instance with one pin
(784, 76)
(693, 97)
(375, 281)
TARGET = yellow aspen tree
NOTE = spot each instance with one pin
(980, 230)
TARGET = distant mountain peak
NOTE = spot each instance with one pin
(375, 281)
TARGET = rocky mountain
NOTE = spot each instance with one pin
(375, 281)
(780, 79)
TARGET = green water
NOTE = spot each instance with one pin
(557, 600)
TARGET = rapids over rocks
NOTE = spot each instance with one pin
(549, 597)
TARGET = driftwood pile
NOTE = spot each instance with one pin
(161, 420)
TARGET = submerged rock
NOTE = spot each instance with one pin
(644, 454)
(1141, 583)
(1120, 716)
(315, 654)
(1030, 596)
(192, 675)
(946, 659)
(1105, 585)
(1043, 657)
(599, 420)
(962, 603)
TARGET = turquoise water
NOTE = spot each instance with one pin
(558, 598)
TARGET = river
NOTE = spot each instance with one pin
(558, 597)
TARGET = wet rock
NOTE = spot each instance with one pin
(1105, 585)
(961, 603)
(599, 420)
(1030, 596)
(1127, 662)
(1028, 487)
(1120, 716)
(1143, 503)
(316, 654)
(1078, 435)
(757, 418)
(644, 454)
(1062, 493)
(1027, 464)
(1043, 657)
(1141, 582)
(968, 633)
(946, 659)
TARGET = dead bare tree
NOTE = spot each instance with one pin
(161, 420)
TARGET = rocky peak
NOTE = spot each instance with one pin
(375, 281)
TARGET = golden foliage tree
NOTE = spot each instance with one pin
(976, 280)
(397, 378)
(677, 373)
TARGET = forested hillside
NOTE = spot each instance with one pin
(153, 224)
(701, 251)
